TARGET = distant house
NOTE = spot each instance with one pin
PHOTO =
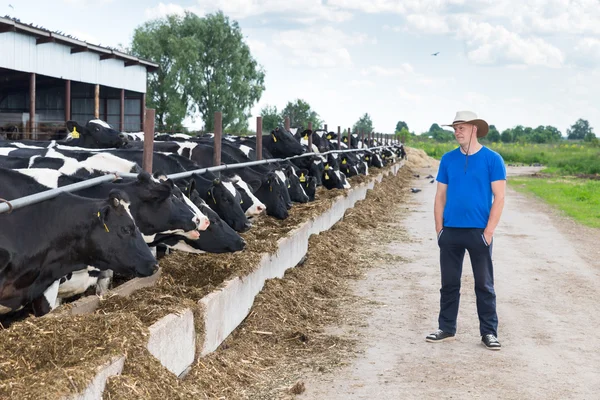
(47, 78)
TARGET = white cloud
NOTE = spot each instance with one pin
(162, 10)
(361, 83)
(587, 52)
(432, 23)
(317, 47)
(405, 95)
(305, 11)
(87, 2)
(377, 70)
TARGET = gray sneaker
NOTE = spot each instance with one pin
(490, 342)
(439, 336)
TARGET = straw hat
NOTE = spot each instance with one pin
(469, 117)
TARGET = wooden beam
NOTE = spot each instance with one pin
(107, 56)
(7, 28)
(122, 116)
(31, 104)
(131, 63)
(47, 39)
(217, 138)
(97, 101)
(259, 138)
(67, 100)
(148, 140)
(79, 49)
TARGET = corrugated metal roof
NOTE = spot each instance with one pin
(43, 35)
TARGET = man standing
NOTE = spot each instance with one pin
(468, 204)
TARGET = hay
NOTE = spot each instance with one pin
(417, 158)
(283, 333)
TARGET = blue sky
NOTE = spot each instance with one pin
(534, 63)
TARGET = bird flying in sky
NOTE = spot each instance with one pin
(436, 53)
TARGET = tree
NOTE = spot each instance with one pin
(300, 113)
(506, 136)
(493, 134)
(270, 118)
(364, 124)
(439, 134)
(159, 41)
(579, 130)
(400, 125)
(204, 67)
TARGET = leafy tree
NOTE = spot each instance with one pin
(400, 125)
(300, 114)
(439, 134)
(364, 124)
(403, 134)
(579, 130)
(270, 118)
(493, 134)
(506, 136)
(204, 66)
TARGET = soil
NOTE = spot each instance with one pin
(547, 274)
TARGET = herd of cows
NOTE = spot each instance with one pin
(58, 248)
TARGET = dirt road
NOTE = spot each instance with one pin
(547, 272)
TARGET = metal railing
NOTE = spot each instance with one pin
(10, 205)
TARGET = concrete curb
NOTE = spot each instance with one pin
(95, 389)
(226, 308)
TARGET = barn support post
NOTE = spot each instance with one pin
(325, 127)
(310, 136)
(143, 112)
(362, 137)
(122, 112)
(348, 135)
(218, 135)
(339, 137)
(97, 101)
(259, 138)
(31, 129)
(67, 100)
(148, 140)
(286, 123)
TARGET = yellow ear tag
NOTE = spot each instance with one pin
(75, 134)
(367, 158)
(241, 201)
(302, 178)
(326, 176)
(329, 137)
(213, 196)
(274, 138)
(345, 139)
(271, 188)
(305, 137)
(105, 227)
(344, 161)
(289, 186)
(326, 167)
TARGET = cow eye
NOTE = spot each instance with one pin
(126, 230)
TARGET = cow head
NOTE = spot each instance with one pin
(96, 134)
(282, 144)
(309, 183)
(227, 202)
(251, 205)
(4, 258)
(335, 180)
(160, 210)
(271, 193)
(115, 242)
(295, 188)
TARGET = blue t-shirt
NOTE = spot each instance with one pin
(469, 194)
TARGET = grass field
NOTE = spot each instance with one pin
(578, 198)
(560, 159)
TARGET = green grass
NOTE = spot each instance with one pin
(577, 198)
(563, 158)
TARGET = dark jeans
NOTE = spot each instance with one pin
(453, 242)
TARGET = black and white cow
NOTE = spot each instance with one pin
(40, 245)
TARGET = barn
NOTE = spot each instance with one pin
(48, 78)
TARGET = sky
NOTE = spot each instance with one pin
(512, 63)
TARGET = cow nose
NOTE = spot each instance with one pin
(260, 208)
(154, 268)
(247, 226)
(122, 136)
(203, 223)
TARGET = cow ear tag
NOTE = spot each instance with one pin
(343, 161)
(329, 137)
(75, 134)
(326, 167)
(213, 197)
(274, 138)
(103, 223)
(302, 178)
(326, 176)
